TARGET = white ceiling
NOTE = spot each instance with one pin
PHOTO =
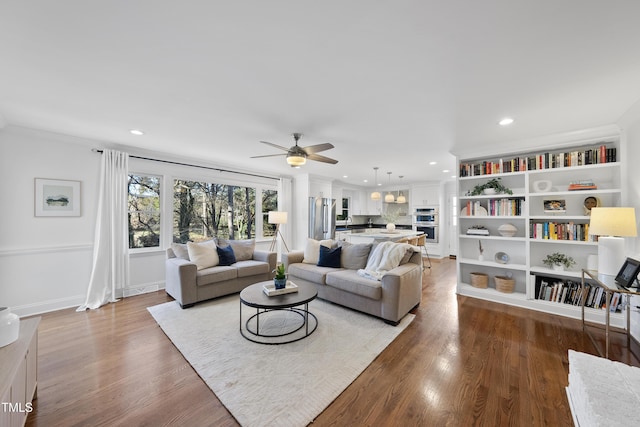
(390, 84)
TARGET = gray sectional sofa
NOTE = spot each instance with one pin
(391, 298)
(188, 284)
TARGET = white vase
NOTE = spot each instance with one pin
(9, 326)
(391, 227)
(489, 191)
(480, 257)
(557, 267)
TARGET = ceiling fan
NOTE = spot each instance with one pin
(297, 156)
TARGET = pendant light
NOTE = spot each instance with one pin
(376, 194)
(401, 198)
(389, 198)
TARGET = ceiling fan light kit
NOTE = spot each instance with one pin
(297, 156)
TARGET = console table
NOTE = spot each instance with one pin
(19, 374)
(610, 287)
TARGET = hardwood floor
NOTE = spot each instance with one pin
(461, 362)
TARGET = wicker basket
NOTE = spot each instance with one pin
(505, 284)
(479, 280)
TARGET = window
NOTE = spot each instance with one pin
(144, 211)
(203, 210)
(342, 213)
(269, 203)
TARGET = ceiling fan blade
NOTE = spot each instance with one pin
(317, 148)
(275, 145)
(268, 155)
(319, 158)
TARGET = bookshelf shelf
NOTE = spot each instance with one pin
(540, 184)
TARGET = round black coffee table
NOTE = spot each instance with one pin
(268, 308)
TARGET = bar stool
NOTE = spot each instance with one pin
(422, 241)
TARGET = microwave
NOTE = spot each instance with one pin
(425, 215)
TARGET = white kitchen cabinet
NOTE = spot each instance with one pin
(535, 179)
(425, 195)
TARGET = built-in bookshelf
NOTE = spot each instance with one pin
(547, 211)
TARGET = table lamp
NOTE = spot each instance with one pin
(611, 225)
(277, 217)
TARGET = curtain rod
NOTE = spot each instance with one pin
(195, 166)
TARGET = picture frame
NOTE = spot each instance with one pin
(628, 273)
(56, 197)
(555, 206)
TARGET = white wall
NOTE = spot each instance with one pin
(45, 262)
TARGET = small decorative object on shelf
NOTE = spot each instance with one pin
(280, 280)
(542, 186)
(9, 326)
(507, 230)
(591, 202)
(501, 258)
(478, 230)
(480, 257)
(494, 185)
(558, 261)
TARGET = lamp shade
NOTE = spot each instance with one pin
(277, 217)
(616, 221)
(389, 198)
(375, 195)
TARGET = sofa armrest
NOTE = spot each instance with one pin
(270, 258)
(292, 257)
(180, 280)
(401, 290)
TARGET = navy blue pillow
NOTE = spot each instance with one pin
(226, 255)
(329, 257)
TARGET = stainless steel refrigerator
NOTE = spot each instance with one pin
(322, 218)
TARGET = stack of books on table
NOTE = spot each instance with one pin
(270, 288)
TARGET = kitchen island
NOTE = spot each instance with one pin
(370, 235)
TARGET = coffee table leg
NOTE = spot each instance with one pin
(258, 321)
(306, 318)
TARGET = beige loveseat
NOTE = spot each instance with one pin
(391, 298)
(189, 282)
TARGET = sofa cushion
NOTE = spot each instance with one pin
(215, 274)
(203, 254)
(329, 257)
(312, 250)
(309, 272)
(354, 256)
(251, 268)
(350, 281)
(180, 250)
(242, 249)
(226, 255)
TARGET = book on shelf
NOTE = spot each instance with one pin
(552, 230)
(582, 185)
(478, 231)
(590, 156)
(568, 292)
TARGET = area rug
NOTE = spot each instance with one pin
(279, 385)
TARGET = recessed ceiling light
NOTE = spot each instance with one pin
(136, 132)
(446, 171)
(506, 121)
(433, 163)
(345, 176)
(366, 180)
(453, 176)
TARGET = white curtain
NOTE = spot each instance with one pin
(110, 272)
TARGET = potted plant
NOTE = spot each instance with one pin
(280, 279)
(493, 186)
(558, 261)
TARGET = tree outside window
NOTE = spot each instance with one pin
(204, 210)
(269, 203)
(144, 211)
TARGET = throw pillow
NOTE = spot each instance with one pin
(180, 250)
(354, 256)
(329, 257)
(312, 250)
(227, 257)
(203, 254)
(242, 249)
